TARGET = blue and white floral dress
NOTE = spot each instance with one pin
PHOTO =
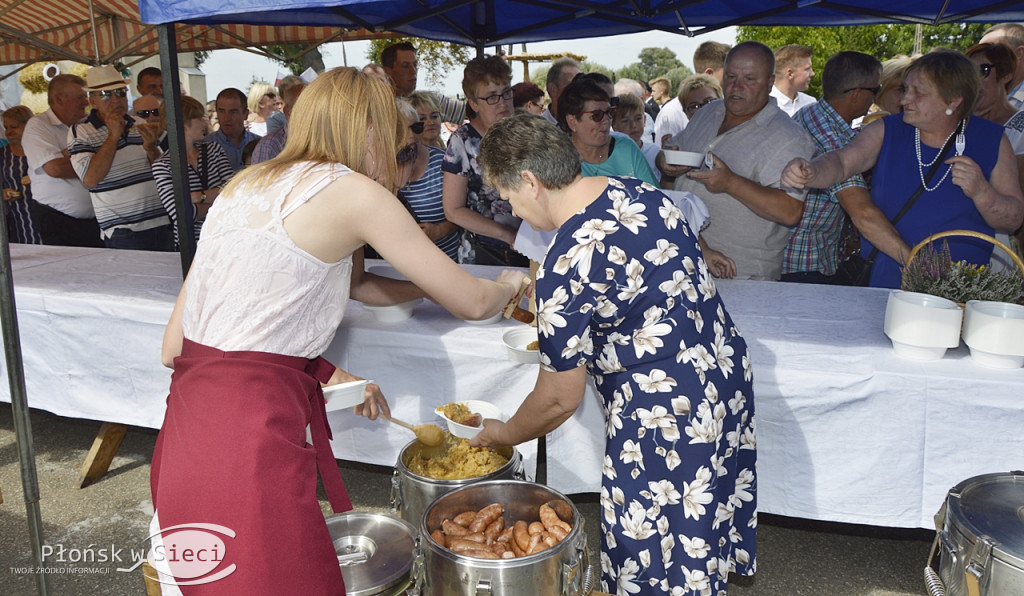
(625, 290)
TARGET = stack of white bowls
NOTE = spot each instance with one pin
(922, 326)
(994, 332)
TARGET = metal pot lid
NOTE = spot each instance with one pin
(992, 506)
(375, 551)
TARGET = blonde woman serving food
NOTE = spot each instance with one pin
(277, 262)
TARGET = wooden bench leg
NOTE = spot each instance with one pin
(103, 450)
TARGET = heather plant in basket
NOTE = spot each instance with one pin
(934, 272)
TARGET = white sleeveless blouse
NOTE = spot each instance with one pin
(251, 288)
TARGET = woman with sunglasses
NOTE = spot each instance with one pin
(585, 111)
(489, 227)
(974, 185)
(423, 191)
(274, 270)
(429, 113)
(262, 103)
(997, 63)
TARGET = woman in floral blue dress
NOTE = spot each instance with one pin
(625, 296)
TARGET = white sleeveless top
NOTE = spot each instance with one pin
(251, 288)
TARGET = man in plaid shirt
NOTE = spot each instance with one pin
(849, 84)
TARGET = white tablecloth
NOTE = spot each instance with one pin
(847, 431)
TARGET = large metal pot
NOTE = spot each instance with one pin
(562, 570)
(375, 552)
(411, 493)
(980, 538)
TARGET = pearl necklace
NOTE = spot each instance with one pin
(921, 165)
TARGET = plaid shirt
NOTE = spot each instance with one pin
(814, 243)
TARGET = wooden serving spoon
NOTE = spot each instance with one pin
(430, 435)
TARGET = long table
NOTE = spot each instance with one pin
(847, 431)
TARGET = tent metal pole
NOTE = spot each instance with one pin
(177, 149)
(19, 405)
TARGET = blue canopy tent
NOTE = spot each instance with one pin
(489, 22)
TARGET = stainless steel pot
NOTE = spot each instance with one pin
(980, 538)
(562, 570)
(375, 552)
(411, 493)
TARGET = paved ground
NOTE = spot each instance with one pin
(795, 557)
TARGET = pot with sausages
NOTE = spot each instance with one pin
(417, 482)
(502, 537)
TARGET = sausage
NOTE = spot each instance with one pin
(537, 544)
(521, 535)
(505, 537)
(485, 516)
(548, 539)
(559, 533)
(453, 529)
(495, 528)
(516, 550)
(438, 537)
(536, 528)
(481, 553)
(477, 537)
(550, 519)
(461, 544)
(465, 518)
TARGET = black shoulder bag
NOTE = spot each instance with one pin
(856, 270)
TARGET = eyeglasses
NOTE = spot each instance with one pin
(693, 107)
(408, 153)
(416, 128)
(494, 99)
(147, 113)
(986, 69)
(106, 95)
(598, 115)
(872, 90)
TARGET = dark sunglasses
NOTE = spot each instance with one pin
(416, 128)
(106, 95)
(147, 113)
(408, 153)
(872, 90)
(693, 107)
(986, 69)
(598, 115)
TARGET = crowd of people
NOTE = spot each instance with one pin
(289, 186)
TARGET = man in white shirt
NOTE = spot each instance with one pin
(793, 74)
(62, 208)
(400, 64)
(1012, 34)
(561, 73)
(709, 59)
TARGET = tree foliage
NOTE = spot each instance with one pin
(312, 59)
(883, 41)
(655, 62)
(435, 58)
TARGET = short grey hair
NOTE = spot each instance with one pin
(629, 87)
(406, 109)
(555, 72)
(527, 143)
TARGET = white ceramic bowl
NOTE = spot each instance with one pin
(485, 409)
(922, 326)
(394, 313)
(683, 158)
(488, 321)
(994, 331)
(387, 271)
(344, 395)
(516, 340)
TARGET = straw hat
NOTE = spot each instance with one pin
(100, 78)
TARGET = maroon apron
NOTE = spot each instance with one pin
(232, 451)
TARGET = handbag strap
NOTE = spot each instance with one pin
(927, 178)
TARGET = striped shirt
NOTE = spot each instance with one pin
(814, 242)
(424, 197)
(13, 174)
(218, 175)
(127, 196)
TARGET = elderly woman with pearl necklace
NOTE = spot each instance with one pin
(974, 185)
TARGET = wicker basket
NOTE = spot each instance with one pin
(969, 233)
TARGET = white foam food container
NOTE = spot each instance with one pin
(344, 395)
(516, 340)
(476, 406)
(994, 332)
(922, 326)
